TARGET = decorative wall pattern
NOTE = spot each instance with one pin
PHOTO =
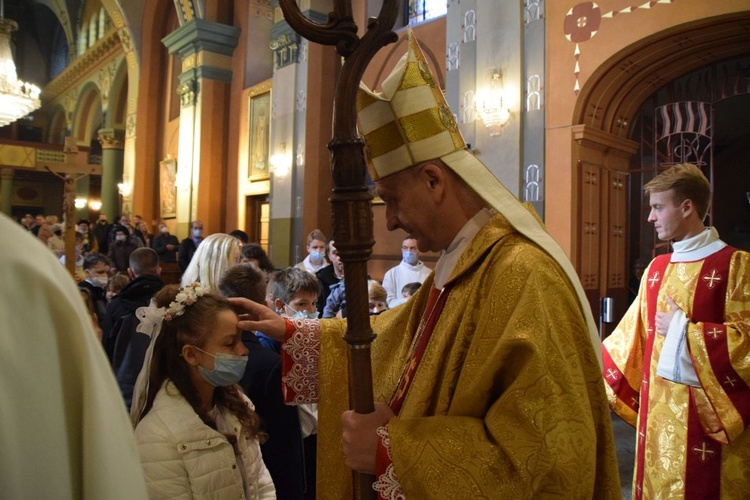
(453, 57)
(468, 108)
(532, 183)
(533, 10)
(470, 26)
(534, 93)
(583, 21)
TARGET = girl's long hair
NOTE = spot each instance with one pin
(193, 328)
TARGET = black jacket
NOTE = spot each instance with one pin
(185, 252)
(98, 298)
(125, 347)
(159, 244)
(283, 451)
(327, 278)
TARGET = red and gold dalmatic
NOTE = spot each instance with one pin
(691, 442)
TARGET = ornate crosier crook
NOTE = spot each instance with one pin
(351, 200)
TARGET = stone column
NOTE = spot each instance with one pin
(205, 49)
(6, 190)
(113, 147)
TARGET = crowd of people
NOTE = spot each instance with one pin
(488, 373)
(119, 280)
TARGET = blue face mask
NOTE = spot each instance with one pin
(317, 256)
(228, 369)
(409, 257)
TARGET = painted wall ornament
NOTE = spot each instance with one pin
(582, 23)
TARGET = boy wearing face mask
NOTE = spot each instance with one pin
(165, 245)
(189, 245)
(96, 271)
(293, 293)
(409, 270)
(316, 252)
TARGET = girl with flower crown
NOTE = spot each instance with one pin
(197, 433)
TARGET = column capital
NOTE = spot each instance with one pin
(7, 173)
(205, 49)
(200, 35)
(188, 92)
(111, 138)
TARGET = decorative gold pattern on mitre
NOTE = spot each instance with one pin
(410, 121)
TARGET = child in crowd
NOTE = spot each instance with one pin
(115, 284)
(316, 252)
(197, 433)
(254, 254)
(293, 293)
(410, 289)
(283, 451)
(377, 297)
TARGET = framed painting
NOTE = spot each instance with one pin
(259, 140)
(168, 188)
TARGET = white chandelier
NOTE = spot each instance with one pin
(17, 98)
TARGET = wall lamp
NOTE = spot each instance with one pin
(489, 105)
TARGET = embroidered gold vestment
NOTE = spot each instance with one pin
(507, 401)
(691, 442)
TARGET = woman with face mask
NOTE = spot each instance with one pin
(197, 433)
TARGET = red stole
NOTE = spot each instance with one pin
(435, 304)
(703, 460)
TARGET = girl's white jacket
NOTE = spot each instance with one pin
(183, 458)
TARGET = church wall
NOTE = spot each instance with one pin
(159, 18)
(606, 32)
(252, 64)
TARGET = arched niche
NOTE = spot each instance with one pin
(87, 117)
(118, 97)
(58, 126)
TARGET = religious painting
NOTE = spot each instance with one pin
(259, 140)
(168, 188)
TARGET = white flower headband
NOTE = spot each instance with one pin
(151, 319)
(185, 297)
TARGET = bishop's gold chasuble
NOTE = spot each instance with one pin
(691, 440)
(507, 399)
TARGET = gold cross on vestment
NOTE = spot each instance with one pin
(653, 279)
(715, 332)
(710, 278)
(730, 381)
(702, 451)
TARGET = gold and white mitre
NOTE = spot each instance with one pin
(409, 123)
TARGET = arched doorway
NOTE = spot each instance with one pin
(699, 118)
(607, 113)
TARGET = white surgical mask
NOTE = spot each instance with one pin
(120, 237)
(302, 314)
(197, 233)
(100, 281)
